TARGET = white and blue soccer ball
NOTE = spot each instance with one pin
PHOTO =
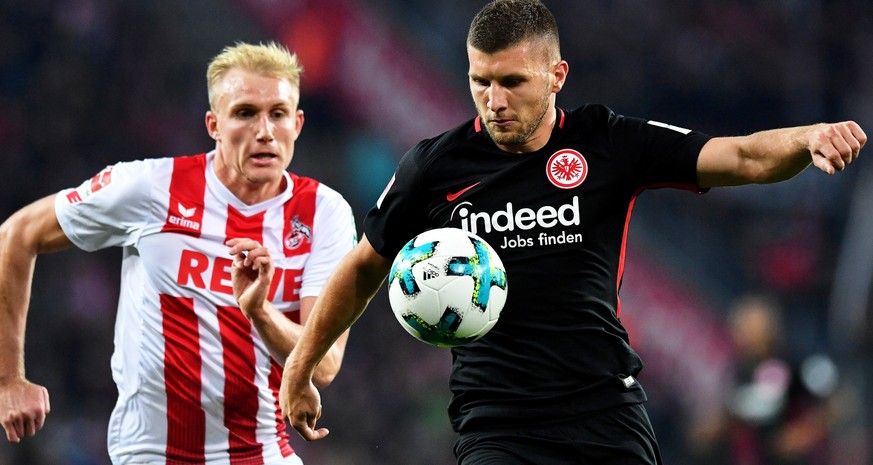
(447, 287)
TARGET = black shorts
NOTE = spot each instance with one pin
(616, 436)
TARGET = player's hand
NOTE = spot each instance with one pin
(834, 146)
(23, 408)
(251, 274)
(301, 406)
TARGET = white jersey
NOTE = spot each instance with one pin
(196, 384)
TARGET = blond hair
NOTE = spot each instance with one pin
(271, 59)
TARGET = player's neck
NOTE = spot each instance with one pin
(253, 193)
(249, 189)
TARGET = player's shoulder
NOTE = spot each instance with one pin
(462, 135)
(303, 184)
(590, 114)
(124, 173)
(148, 174)
(159, 165)
(596, 123)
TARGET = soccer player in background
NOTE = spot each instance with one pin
(777, 410)
(224, 254)
(555, 381)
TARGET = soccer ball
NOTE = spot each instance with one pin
(447, 287)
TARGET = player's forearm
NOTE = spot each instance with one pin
(342, 301)
(281, 335)
(779, 154)
(30, 231)
(330, 318)
(759, 158)
(17, 264)
(330, 364)
(776, 155)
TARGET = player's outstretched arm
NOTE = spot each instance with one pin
(779, 154)
(251, 274)
(32, 230)
(346, 295)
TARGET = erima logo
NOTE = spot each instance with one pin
(510, 219)
(186, 212)
(184, 222)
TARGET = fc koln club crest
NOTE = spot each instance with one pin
(299, 233)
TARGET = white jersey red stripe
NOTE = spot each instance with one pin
(187, 186)
(196, 383)
(182, 364)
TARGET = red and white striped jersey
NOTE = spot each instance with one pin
(196, 384)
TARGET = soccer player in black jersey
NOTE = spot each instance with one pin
(555, 381)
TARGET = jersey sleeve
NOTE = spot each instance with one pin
(398, 215)
(663, 155)
(334, 235)
(110, 209)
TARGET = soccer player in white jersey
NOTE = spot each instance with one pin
(224, 254)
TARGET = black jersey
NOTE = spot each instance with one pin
(558, 220)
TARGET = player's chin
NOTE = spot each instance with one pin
(265, 175)
(506, 138)
(497, 131)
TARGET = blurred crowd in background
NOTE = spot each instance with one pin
(750, 306)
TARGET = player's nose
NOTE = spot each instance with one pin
(265, 129)
(496, 98)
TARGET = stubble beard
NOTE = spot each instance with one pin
(516, 139)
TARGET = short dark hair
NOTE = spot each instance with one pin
(503, 23)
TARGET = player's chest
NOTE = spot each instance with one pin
(202, 265)
(561, 188)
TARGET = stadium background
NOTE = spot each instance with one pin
(84, 83)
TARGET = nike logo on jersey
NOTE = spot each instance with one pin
(454, 195)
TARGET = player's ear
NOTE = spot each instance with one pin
(559, 74)
(298, 123)
(212, 125)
